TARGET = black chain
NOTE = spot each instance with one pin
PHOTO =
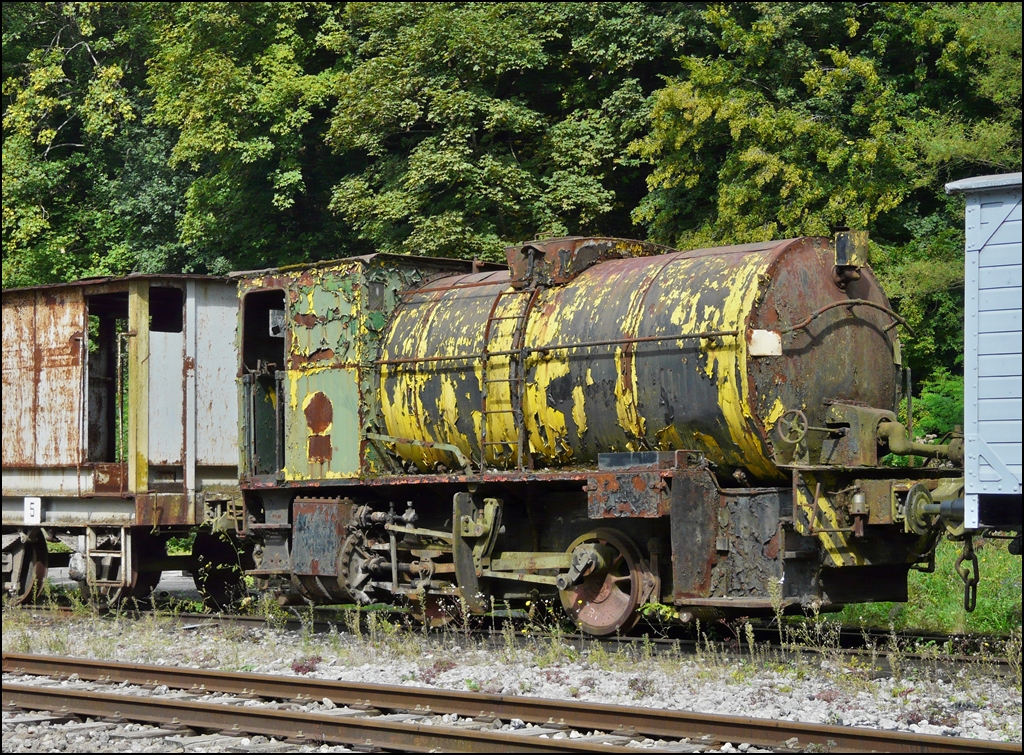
(968, 574)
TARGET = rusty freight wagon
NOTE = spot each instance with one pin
(603, 423)
(119, 426)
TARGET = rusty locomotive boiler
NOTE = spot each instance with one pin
(605, 423)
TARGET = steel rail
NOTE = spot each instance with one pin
(237, 720)
(650, 722)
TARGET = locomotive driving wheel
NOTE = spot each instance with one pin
(219, 576)
(605, 598)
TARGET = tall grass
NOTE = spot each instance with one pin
(936, 599)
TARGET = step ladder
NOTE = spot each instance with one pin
(516, 374)
(109, 564)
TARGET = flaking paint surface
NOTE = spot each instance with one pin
(691, 393)
(339, 386)
(617, 299)
(729, 363)
(424, 328)
(547, 432)
(837, 545)
(579, 410)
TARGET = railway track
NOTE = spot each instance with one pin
(867, 647)
(408, 718)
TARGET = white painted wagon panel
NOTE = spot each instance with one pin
(216, 367)
(992, 335)
(166, 398)
(1006, 276)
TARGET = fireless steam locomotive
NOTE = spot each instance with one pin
(604, 423)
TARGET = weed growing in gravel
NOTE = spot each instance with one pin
(306, 664)
(1013, 654)
(641, 686)
(895, 654)
(712, 661)
(267, 608)
(670, 661)
(353, 621)
(428, 673)
(509, 644)
(16, 639)
(598, 657)
(555, 650)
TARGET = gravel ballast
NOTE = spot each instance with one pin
(828, 689)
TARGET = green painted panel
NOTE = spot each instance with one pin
(322, 427)
(324, 320)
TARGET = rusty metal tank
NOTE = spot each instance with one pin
(595, 345)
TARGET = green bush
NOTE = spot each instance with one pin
(940, 407)
(936, 599)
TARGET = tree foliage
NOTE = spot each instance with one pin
(473, 124)
(796, 118)
(218, 136)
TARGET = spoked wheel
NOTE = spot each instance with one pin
(607, 599)
(28, 563)
(792, 426)
(218, 573)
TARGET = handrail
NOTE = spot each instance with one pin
(558, 346)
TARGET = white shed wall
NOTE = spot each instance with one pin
(992, 341)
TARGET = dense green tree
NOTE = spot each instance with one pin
(480, 124)
(796, 118)
(87, 189)
(246, 86)
(218, 136)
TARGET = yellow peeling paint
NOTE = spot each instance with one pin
(477, 422)
(668, 438)
(456, 326)
(727, 363)
(547, 430)
(776, 411)
(626, 408)
(405, 413)
(501, 424)
(836, 544)
(448, 410)
(709, 444)
(448, 406)
(579, 414)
